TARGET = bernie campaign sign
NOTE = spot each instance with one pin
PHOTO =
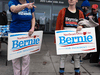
(20, 44)
(70, 42)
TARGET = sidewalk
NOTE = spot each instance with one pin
(48, 55)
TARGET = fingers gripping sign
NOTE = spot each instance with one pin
(79, 28)
(30, 33)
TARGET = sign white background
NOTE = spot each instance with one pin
(28, 49)
(84, 47)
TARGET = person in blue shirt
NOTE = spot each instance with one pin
(23, 20)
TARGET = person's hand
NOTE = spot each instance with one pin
(35, 27)
(30, 5)
(90, 17)
(30, 32)
(0, 33)
(79, 28)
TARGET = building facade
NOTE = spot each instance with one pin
(46, 12)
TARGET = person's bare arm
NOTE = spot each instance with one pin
(79, 28)
(19, 8)
(33, 25)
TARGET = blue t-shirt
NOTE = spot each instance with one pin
(21, 21)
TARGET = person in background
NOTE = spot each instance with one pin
(3, 18)
(84, 8)
(37, 25)
(94, 15)
(68, 19)
(3, 21)
(23, 20)
(0, 46)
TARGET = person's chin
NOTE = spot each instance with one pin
(71, 4)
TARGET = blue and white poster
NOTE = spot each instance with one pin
(20, 44)
(70, 42)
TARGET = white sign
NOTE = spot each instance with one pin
(20, 44)
(70, 42)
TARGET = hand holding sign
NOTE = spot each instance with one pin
(79, 28)
(30, 33)
(70, 42)
(20, 44)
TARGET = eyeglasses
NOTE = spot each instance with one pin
(88, 7)
(93, 9)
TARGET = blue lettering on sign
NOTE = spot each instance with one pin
(20, 44)
(77, 39)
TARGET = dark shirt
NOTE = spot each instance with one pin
(3, 19)
(94, 17)
(71, 19)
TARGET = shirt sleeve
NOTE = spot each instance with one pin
(10, 4)
(32, 10)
